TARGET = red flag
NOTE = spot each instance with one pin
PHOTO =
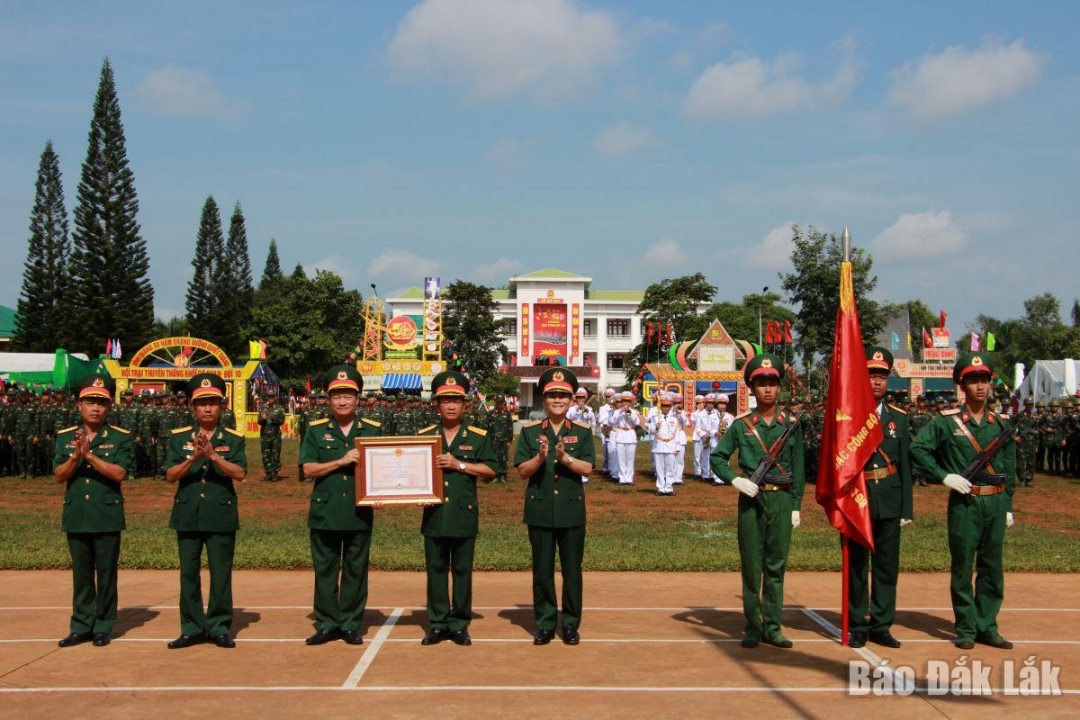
(777, 334)
(307, 387)
(648, 334)
(852, 427)
(770, 334)
(944, 315)
(926, 341)
(108, 348)
(787, 332)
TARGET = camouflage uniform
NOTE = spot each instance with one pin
(1052, 427)
(25, 422)
(1027, 442)
(271, 419)
(501, 433)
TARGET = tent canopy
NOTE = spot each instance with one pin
(403, 381)
(57, 369)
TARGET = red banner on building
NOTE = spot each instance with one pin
(525, 347)
(575, 330)
(549, 330)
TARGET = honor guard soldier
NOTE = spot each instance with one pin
(552, 455)
(980, 507)
(450, 529)
(340, 531)
(888, 487)
(205, 461)
(625, 422)
(93, 459)
(1026, 442)
(764, 523)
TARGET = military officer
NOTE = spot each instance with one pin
(980, 508)
(206, 462)
(271, 419)
(450, 529)
(552, 455)
(340, 531)
(92, 460)
(888, 486)
(765, 524)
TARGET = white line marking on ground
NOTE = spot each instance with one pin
(524, 608)
(368, 657)
(900, 682)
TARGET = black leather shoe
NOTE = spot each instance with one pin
(750, 642)
(994, 641)
(778, 641)
(964, 644)
(185, 641)
(884, 638)
(223, 641)
(435, 636)
(103, 639)
(570, 636)
(461, 637)
(543, 637)
(321, 637)
(75, 639)
(856, 639)
(352, 637)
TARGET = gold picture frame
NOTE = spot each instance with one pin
(399, 470)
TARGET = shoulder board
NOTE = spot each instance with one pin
(231, 431)
(119, 429)
(531, 423)
(748, 413)
(73, 427)
(951, 411)
(424, 431)
(313, 423)
(896, 409)
(479, 431)
(587, 426)
(372, 422)
(184, 429)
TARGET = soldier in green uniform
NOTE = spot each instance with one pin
(450, 529)
(765, 525)
(271, 419)
(1026, 442)
(25, 422)
(92, 460)
(980, 508)
(206, 461)
(340, 531)
(552, 456)
(1040, 448)
(1054, 437)
(7, 432)
(501, 433)
(888, 489)
(168, 419)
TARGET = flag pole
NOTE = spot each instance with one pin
(845, 542)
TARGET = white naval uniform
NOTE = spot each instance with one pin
(705, 434)
(582, 414)
(664, 429)
(680, 448)
(624, 425)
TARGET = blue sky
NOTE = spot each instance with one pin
(627, 141)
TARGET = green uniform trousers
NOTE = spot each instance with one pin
(570, 543)
(94, 561)
(976, 540)
(340, 559)
(446, 557)
(217, 619)
(764, 538)
(883, 566)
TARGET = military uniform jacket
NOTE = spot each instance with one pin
(891, 496)
(459, 513)
(205, 498)
(740, 436)
(333, 498)
(943, 448)
(93, 504)
(554, 495)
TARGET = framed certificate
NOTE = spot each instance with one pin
(399, 470)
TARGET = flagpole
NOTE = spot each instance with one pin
(845, 548)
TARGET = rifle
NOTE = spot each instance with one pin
(773, 456)
(986, 455)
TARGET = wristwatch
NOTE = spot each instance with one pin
(461, 466)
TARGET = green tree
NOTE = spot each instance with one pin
(500, 384)
(203, 293)
(237, 293)
(675, 302)
(469, 325)
(272, 268)
(112, 296)
(920, 316)
(173, 327)
(42, 309)
(814, 287)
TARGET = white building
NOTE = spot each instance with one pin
(553, 316)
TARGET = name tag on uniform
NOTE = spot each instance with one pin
(222, 448)
(328, 437)
(465, 447)
(189, 446)
(109, 446)
(570, 438)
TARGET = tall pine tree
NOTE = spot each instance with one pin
(111, 295)
(272, 270)
(40, 323)
(203, 295)
(237, 292)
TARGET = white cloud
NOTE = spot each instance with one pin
(337, 264)
(957, 81)
(179, 91)
(920, 236)
(498, 272)
(664, 253)
(506, 155)
(495, 48)
(748, 87)
(771, 252)
(402, 264)
(623, 138)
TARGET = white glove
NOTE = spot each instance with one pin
(904, 522)
(746, 487)
(957, 483)
(796, 519)
(1010, 519)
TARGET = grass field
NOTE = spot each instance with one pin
(629, 527)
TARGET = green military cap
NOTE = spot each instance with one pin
(11, 391)
(971, 362)
(1055, 403)
(878, 358)
(1066, 402)
(128, 393)
(763, 365)
(95, 385)
(206, 385)
(557, 380)
(343, 377)
(449, 383)
(1029, 400)
(1040, 404)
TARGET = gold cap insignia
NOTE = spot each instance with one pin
(206, 382)
(451, 381)
(557, 376)
(878, 356)
(766, 363)
(98, 382)
(343, 375)
(976, 360)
